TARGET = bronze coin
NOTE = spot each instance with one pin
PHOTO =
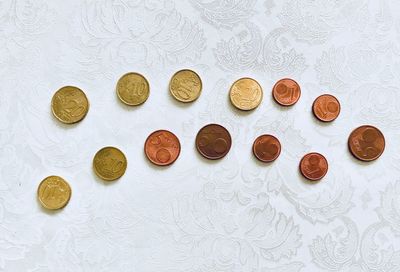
(162, 147)
(313, 166)
(326, 108)
(266, 148)
(286, 92)
(366, 143)
(213, 141)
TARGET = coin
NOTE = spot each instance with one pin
(266, 148)
(246, 94)
(54, 193)
(109, 163)
(69, 105)
(133, 89)
(213, 141)
(185, 85)
(286, 92)
(326, 107)
(313, 166)
(162, 147)
(366, 143)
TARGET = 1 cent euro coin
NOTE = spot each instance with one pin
(326, 108)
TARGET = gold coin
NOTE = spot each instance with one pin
(185, 85)
(109, 163)
(246, 94)
(54, 193)
(133, 89)
(69, 105)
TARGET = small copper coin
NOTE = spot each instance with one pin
(313, 166)
(366, 143)
(266, 148)
(162, 147)
(326, 108)
(213, 141)
(286, 92)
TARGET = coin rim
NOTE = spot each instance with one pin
(102, 177)
(157, 163)
(322, 120)
(59, 118)
(254, 148)
(246, 109)
(126, 102)
(362, 159)
(58, 207)
(181, 100)
(204, 155)
(281, 103)
(309, 178)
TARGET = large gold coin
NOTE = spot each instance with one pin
(246, 94)
(69, 104)
(133, 89)
(54, 193)
(109, 163)
(185, 85)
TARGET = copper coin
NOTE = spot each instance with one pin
(366, 143)
(213, 141)
(162, 147)
(266, 148)
(286, 92)
(326, 108)
(313, 166)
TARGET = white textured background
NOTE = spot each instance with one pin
(232, 215)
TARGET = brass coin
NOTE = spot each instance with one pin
(54, 193)
(69, 105)
(133, 89)
(109, 163)
(185, 85)
(246, 94)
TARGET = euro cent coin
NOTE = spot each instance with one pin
(326, 108)
(185, 86)
(313, 166)
(69, 105)
(366, 143)
(133, 89)
(162, 147)
(54, 193)
(213, 141)
(286, 92)
(109, 163)
(246, 94)
(266, 148)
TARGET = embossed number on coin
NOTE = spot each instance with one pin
(133, 89)
(213, 141)
(313, 166)
(286, 92)
(366, 143)
(326, 108)
(69, 105)
(109, 163)
(246, 94)
(162, 147)
(185, 85)
(54, 193)
(266, 148)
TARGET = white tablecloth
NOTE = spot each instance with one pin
(235, 214)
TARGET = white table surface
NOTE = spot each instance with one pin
(235, 214)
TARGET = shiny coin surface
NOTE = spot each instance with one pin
(326, 108)
(185, 85)
(162, 147)
(313, 166)
(54, 193)
(286, 92)
(109, 163)
(246, 94)
(366, 143)
(266, 148)
(133, 89)
(213, 141)
(69, 105)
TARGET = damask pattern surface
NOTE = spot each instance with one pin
(236, 214)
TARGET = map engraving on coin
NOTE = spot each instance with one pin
(109, 163)
(266, 148)
(69, 105)
(313, 166)
(185, 85)
(246, 94)
(213, 141)
(326, 108)
(286, 92)
(54, 193)
(366, 143)
(162, 147)
(133, 89)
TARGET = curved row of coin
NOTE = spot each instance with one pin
(213, 141)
